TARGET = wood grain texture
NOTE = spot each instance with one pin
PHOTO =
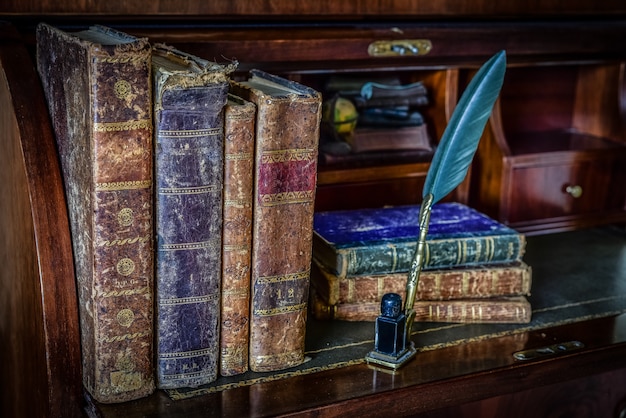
(438, 379)
(40, 346)
(434, 380)
(325, 8)
(553, 128)
(298, 48)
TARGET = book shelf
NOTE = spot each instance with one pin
(394, 178)
(538, 131)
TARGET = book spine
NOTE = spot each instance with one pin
(287, 135)
(444, 253)
(444, 284)
(515, 310)
(103, 126)
(189, 181)
(497, 310)
(237, 235)
(419, 100)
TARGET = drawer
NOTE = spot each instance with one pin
(574, 189)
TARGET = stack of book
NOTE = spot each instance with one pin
(473, 270)
(389, 118)
(190, 198)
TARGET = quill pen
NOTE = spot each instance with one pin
(453, 157)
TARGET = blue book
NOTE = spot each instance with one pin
(379, 241)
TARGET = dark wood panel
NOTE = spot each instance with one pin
(338, 47)
(540, 192)
(40, 346)
(601, 395)
(435, 379)
(38, 312)
(325, 8)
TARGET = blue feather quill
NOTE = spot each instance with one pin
(462, 134)
(454, 155)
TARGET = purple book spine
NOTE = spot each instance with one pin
(189, 196)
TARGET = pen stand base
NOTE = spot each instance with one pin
(392, 362)
(392, 347)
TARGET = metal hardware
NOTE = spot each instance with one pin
(548, 350)
(574, 191)
(405, 47)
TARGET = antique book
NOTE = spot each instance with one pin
(287, 135)
(189, 98)
(383, 240)
(511, 310)
(98, 91)
(239, 122)
(369, 159)
(390, 117)
(467, 282)
(370, 139)
(390, 101)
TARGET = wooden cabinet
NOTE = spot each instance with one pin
(559, 123)
(555, 156)
(562, 100)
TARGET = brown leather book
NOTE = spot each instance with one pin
(513, 310)
(97, 86)
(287, 136)
(189, 98)
(369, 139)
(482, 281)
(239, 122)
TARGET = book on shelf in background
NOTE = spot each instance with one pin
(364, 116)
(98, 91)
(287, 135)
(189, 98)
(239, 123)
(473, 272)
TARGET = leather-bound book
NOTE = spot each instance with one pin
(239, 122)
(383, 240)
(500, 310)
(287, 136)
(473, 282)
(189, 98)
(98, 90)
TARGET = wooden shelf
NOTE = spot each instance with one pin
(575, 51)
(435, 383)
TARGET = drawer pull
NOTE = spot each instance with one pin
(574, 191)
(408, 47)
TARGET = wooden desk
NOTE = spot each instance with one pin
(38, 307)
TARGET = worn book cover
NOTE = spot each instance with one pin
(481, 281)
(287, 136)
(98, 89)
(511, 310)
(372, 139)
(239, 122)
(189, 98)
(383, 240)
